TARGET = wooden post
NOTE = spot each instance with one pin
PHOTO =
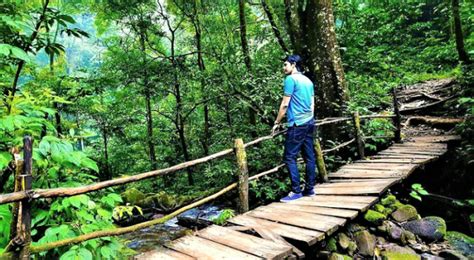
(358, 135)
(398, 118)
(320, 160)
(243, 182)
(24, 211)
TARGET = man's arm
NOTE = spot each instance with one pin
(283, 107)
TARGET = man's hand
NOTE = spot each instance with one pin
(275, 128)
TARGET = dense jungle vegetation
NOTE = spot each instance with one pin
(113, 88)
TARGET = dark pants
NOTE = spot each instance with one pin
(300, 138)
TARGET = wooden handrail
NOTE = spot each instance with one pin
(66, 192)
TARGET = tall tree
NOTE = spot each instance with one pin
(463, 56)
(318, 45)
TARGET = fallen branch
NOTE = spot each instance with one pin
(428, 106)
(433, 121)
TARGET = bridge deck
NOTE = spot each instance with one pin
(350, 191)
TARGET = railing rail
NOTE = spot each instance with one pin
(24, 196)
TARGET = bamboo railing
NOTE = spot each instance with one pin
(24, 196)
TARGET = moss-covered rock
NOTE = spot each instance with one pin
(396, 252)
(379, 208)
(335, 256)
(343, 240)
(331, 245)
(132, 196)
(429, 228)
(374, 217)
(352, 248)
(365, 242)
(407, 236)
(396, 205)
(163, 201)
(388, 200)
(461, 243)
(405, 213)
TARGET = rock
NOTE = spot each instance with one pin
(405, 213)
(354, 227)
(365, 242)
(394, 231)
(343, 241)
(461, 243)
(390, 199)
(429, 228)
(335, 256)
(374, 217)
(351, 248)
(419, 247)
(407, 236)
(132, 196)
(332, 245)
(381, 240)
(426, 256)
(452, 255)
(396, 252)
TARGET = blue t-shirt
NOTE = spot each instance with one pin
(301, 90)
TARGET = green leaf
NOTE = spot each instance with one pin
(5, 158)
(84, 254)
(106, 252)
(66, 18)
(415, 195)
(90, 164)
(5, 49)
(20, 54)
(44, 147)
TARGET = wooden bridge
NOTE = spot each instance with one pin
(262, 232)
(351, 190)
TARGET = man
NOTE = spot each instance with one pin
(298, 105)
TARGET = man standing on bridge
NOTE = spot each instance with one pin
(298, 105)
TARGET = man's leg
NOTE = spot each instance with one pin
(310, 159)
(294, 141)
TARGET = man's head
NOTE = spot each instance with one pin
(292, 64)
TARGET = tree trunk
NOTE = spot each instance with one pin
(26, 48)
(247, 60)
(463, 56)
(325, 59)
(276, 31)
(107, 173)
(147, 93)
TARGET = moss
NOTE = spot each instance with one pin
(396, 205)
(404, 213)
(379, 208)
(332, 245)
(132, 196)
(390, 199)
(461, 242)
(454, 235)
(399, 256)
(441, 229)
(374, 217)
(352, 247)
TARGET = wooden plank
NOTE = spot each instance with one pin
(343, 213)
(405, 161)
(406, 152)
(435, 139)
(162, 254)
(367, 175)
(313, 216)
(310, 237)
(246, 243)
(378, 166)
(369, 183)
(304, 221)
(362, 206)
(352, 190)
(326, 198)
(205, 249)
(401, 156)
(268, 234)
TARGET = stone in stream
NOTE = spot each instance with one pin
(335, 256)
(426, 256)
(374, 217)
(395, 252)
(405, 213)
(428, 228)
(365, 243)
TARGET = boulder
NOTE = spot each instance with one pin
(394, 231)
(365, 242)
(132, 196)
(429, 228)
(343, 240)
(354, 227)
(461, 243)
(405, 213)
(374, 217)
(396, 252)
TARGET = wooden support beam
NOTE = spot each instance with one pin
(243, 173)
(397, 120)
(358, 135)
